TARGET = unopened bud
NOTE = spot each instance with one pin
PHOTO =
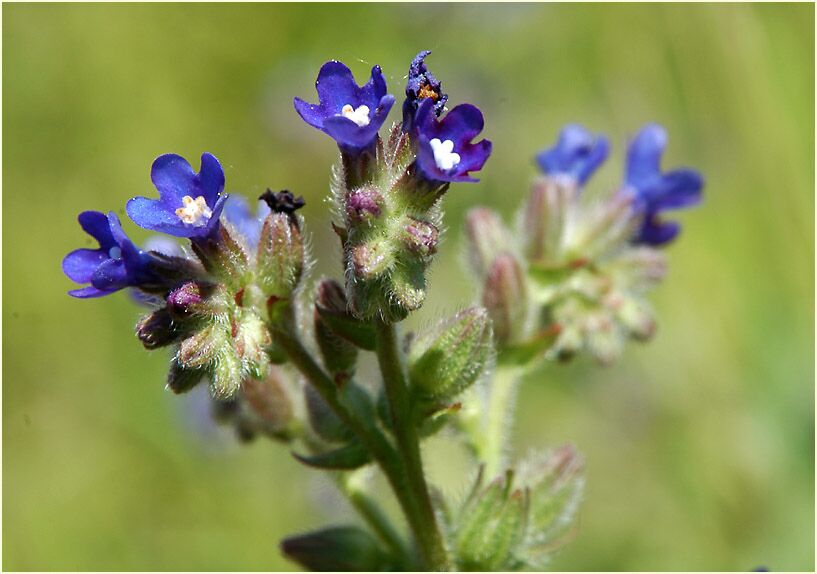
(181, 380)
(487, 238)
(604, 341)
(280, 255)
(449, 358)
(340, 548)
(420, 236)
(227, 373)
(189, 300)
(505, 298)
(331, 305)
(545, 217)
(408, 285)
(251, 340)
(363, 205)
(636, 317)
(339, 355)
(606, 227)
(269, 400)
(158, 329)
(372, 259)
(199, 349)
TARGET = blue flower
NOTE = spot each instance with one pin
(189, 203)
(237, 212)
(444, 149)
(351, 115)
(576, 155)
(655, 191)
(116, 264)
(421, 85)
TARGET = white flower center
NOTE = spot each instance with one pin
(195, 211)
(115, 253)
(444, 155)
(360, 115)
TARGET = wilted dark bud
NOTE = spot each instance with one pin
(505, 298)
(281, 255)
(545, 217)
(487, 238)
(363, 205)
(181, 380)
(420, 237)
(556, 484)
(269, 400)
(447, 359)
(492, 528)
(282, 201)
(158, 329)
(340, 548)
(372, 259)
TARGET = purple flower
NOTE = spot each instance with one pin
(189, 203)
(444, 149)
(116, 264)
(421, 85)
(655, 191)
(237, 212)
(351, 115)
(576, 155)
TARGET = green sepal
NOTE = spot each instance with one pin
(349, 457)
(323, 420)
(181, 380)
(353, 330)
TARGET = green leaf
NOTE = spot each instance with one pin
(348, 457)
(339, 548)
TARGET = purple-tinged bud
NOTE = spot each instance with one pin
(189, 300)
(269, 400)
(487, 238)
(363, 205)
(158, 329)
(420, 237)
(505, 298)
(371, 260)
(545, 216)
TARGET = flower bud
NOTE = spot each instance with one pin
(200, 349)
(340, 548)
(227, 373)
(339, 355)
(158, 329)
(604, 339)
(605, 228)
(372, 259)
(408, 285)
(545, 218)
(268, 399)
(634, 315)
(363, 205)
(448, 359)
(181, 380)
(505, 298)
(281, 254)
(420, 237)
(331, 305)
(189, 300)
(487, 238)
(250, 342)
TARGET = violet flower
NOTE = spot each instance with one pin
(116, 264)
(444, 149)
(421, 85)
(349, 114)
(576, 154)
(655, 191)
(189, 203)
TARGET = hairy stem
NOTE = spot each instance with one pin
(492, 447)
(424, 522)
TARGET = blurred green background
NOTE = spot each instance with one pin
(700, 445)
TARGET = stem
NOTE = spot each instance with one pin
(423, 522)
(383, 452)
(498, 417)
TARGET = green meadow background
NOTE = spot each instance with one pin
(699, 445)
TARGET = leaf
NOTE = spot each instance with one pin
(348, 457)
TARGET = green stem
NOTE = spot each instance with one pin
(500, 403)
(423, 521)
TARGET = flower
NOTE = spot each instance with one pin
(655, 191)
(576, 154)
(116, 264)
(189, 203)
(351, 115)
(444, 149)
(237, 212)
(421, 85)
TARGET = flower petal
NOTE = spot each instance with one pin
(172, 176)
(111, 275)
(80, 264)
(336, 87)
(88, 292)
(644, 154)
(95, 224)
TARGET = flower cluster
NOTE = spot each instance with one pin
(231, 304)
